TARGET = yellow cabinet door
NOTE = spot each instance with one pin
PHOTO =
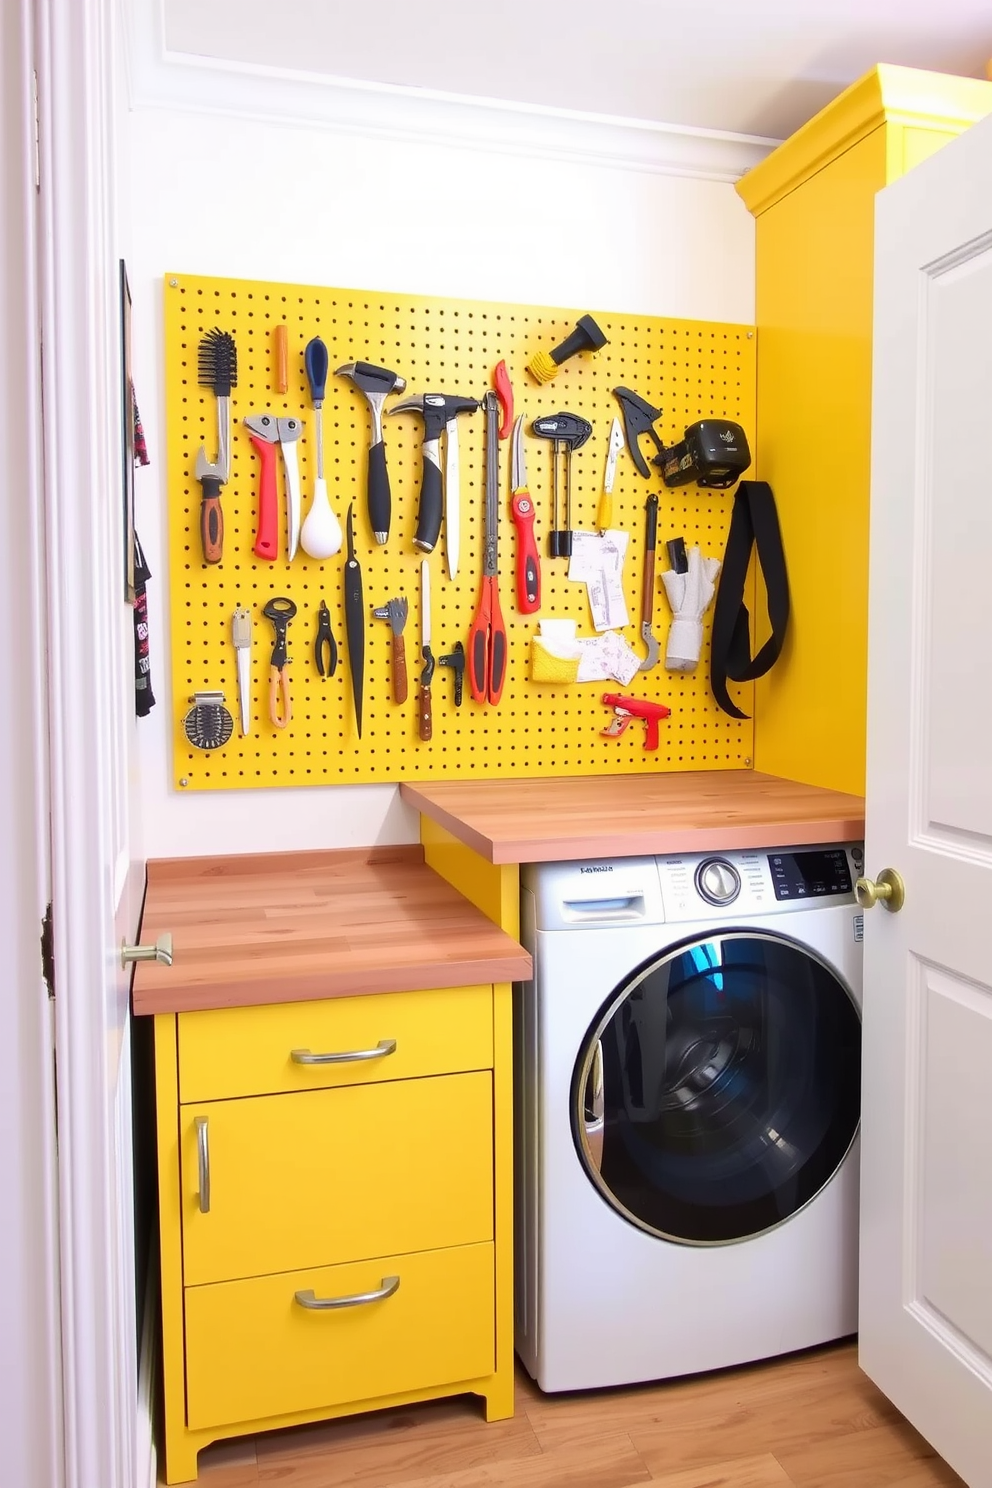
(340, 1041)
(315, 1178)
(255, 1350)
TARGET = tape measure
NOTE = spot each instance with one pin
(208, 724)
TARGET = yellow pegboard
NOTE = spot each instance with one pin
(688, 369)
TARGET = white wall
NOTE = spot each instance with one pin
(255, 197)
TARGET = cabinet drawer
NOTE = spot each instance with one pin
(249, 1051)
(324, 1176)
(253, 1351)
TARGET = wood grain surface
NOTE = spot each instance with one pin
(544, 821)
(812, 1420)
(289, 927)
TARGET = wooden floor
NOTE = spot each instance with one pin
(809, 1421)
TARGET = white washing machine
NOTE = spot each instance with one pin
(688, 1100)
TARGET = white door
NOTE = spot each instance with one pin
(926, 1277)
(86, 733)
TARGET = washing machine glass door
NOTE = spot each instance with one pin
(718, 1089)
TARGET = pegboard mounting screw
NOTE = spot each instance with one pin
(173, 283)
(184, 780)
(750, 334)
(747, 763)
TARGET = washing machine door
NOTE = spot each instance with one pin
(718, 1090)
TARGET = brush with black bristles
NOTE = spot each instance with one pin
(218, 363)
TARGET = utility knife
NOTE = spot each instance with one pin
(604, 516)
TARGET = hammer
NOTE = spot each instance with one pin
(440, 412)
(376, 383)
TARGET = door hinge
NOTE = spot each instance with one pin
(48, 951)
(37, 132)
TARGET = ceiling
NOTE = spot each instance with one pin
(755, 67)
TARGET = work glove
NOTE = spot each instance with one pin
(689, 595)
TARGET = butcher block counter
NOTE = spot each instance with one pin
(476, 833)
(285, 927)
(333, 1089)
(544, 821)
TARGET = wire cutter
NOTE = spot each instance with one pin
(280, 611)
(487, 637)
(325, 650)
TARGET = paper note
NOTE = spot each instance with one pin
(597, 561)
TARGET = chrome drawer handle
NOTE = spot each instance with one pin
(313, 1303)
(349, 1056)
(203, 1163)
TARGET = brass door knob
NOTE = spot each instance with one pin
(888, 888)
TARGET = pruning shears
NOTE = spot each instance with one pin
(280, 612)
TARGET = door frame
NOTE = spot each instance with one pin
(31, 1400)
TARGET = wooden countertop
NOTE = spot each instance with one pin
(289, 927)
(543, 821)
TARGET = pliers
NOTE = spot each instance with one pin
(280, 611)
(325, 650)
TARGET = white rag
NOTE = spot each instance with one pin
(689, 595)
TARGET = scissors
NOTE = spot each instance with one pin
(487, 637)
(280, 611)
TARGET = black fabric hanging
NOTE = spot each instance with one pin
(144, 698)
(753, 524)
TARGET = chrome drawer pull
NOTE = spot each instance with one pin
(313, 1303)
(350, 1056)
(203, 1163)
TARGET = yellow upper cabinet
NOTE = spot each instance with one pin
(813, 200)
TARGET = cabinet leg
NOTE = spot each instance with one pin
(499, 1396)
(180, 1458)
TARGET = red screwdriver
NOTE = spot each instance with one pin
(487, 637)
(522, 508)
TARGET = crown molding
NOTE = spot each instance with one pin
(886, 94)
(165, 79)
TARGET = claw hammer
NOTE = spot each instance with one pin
(376, 383)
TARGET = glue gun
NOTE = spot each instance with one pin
(626, 708)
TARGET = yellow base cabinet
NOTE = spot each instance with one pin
(335, 1186)
(298, 1340)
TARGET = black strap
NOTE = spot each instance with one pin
(754, 524)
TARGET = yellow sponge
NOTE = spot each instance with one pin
(546, 667)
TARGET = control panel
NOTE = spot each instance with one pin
(810, 874)
(689, 887)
